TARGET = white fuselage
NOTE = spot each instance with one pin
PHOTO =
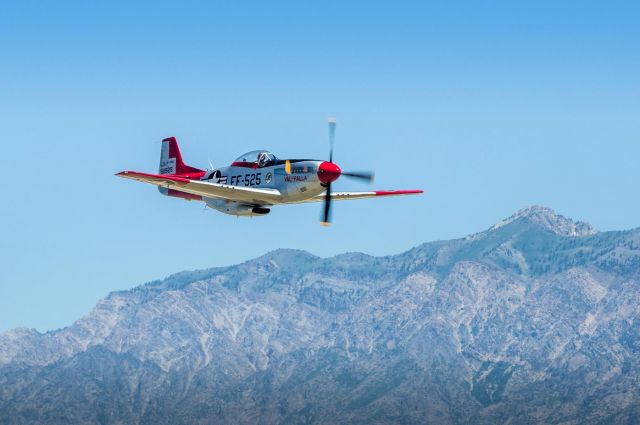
(300, 184)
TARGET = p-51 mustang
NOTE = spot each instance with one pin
(256, 181)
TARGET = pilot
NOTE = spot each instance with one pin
(263, 159)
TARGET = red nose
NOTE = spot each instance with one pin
(328, 172)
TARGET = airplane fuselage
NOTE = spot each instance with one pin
(301, 183)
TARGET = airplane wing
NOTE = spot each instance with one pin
(210, 190)
(346, 196)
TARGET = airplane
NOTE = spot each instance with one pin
(256, 181)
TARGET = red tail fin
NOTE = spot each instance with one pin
(171, 159)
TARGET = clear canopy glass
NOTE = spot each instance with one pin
(260, 156)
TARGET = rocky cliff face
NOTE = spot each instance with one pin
(532, 321)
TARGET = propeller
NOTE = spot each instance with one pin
(366, 176)
(326, 217)
(331, 172)
(332, 136)
(326, 207)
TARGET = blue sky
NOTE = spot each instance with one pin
(488, 106)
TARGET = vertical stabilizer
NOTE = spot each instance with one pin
(171, 159)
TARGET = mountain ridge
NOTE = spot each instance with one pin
(180, 279)
(548, 219)
(518, 323)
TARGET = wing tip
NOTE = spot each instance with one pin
(398, 192)
(140, 176)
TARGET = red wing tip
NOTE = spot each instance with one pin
(170, 139)
(397, 192)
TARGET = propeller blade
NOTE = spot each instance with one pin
(326, 214)
(332, 136)
(287, 166)
(360, 175)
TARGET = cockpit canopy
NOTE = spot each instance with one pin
(259, 157)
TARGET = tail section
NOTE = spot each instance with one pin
(171, 160)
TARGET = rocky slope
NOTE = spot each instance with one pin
(532, 321)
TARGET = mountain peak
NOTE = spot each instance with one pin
(547, 218)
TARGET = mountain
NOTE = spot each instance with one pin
(535, 320)
(549, 220)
